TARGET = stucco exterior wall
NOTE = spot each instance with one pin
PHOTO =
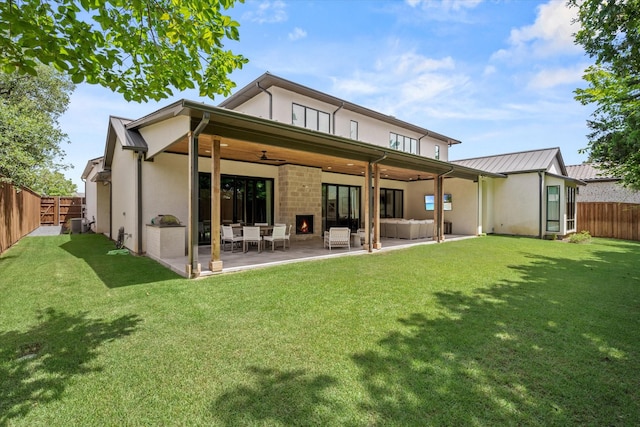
(102, 211)
(161, 135)
(516, 205)
(123, 178)
(370, 130)
(464, 211)
(607, 191)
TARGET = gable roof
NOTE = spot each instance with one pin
(267, 80)
(520, 162)
(117, 131)
(589, 172)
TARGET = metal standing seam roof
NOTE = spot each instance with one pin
(589, 172)
(524, 161)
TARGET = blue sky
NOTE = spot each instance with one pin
(498, 75)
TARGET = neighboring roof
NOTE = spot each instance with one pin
(524, 161)
(267, 80)
(589, 172)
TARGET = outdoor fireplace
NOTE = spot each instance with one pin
(304, 224)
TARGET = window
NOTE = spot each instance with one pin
(553, 208)
(391, 203)
(571, 208)
(437, 153)
(354, 130)
(403, 143)
(430, 202)
(310, 118)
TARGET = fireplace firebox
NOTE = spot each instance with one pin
(304, 224)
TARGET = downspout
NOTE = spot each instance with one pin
(540, 204)
(110, 207)
(371, 196)
(334, 117)
(270, 100)
(139, 207)
(420, 139)
(193, 197)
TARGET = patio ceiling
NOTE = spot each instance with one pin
(244, 138)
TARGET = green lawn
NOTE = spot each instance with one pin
(487, 331)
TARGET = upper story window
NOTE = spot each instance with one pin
(437, 153)
(354, 130)
(403, 143)
(310, 118)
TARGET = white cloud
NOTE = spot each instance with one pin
(446, 5)
(297, 34)
(551, 34)
(268, 12)
(552, 77)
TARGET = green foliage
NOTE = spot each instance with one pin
(610, 33)
(582, 237)
(53, 183)
(140, 48)
(30, 137)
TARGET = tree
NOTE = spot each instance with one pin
(140, 48)
(610, 33)
(53, 183)
(30, 138)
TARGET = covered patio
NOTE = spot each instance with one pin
(306, 250)
(206, 133)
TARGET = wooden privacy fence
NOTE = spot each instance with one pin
(58, 210)
(615, 220)
(19, 214)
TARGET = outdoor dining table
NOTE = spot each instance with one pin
(265, 230)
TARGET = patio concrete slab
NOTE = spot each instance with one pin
(299, 251)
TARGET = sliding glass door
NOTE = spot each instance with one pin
(242, 200)
(340, 206)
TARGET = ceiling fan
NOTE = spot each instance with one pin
(265, 158)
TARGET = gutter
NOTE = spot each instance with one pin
(371, 196)
(270, 99)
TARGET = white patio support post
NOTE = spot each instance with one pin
(368, 223)
(376, 206)
(216, 263)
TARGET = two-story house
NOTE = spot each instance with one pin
(279, 152)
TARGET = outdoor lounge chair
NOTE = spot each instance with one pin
(337, 237)
(278, 235)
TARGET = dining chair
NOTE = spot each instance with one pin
(251, 235)
(228, 236)
(278, 235)
(287, 236)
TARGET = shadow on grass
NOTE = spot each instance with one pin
(37, 364)
(278, 398)
(115, 270)
(554, 347)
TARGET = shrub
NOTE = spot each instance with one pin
(581, 237)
